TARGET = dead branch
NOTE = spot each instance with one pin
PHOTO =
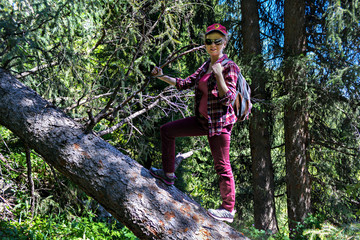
(121, 105)
(134, 115)
(79, 103)
(98, 42)
(171, 56)
(7, 165)
(94, 120)
(6, 202)
(30, 179)
(172, 59)
(181, 156)
(35, 69)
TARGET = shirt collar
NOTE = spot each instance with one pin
(207, 63)
(222, 58)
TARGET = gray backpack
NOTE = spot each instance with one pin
(242, 103)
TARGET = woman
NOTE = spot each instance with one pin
(215, 88)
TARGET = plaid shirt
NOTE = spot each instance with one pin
(220, 110)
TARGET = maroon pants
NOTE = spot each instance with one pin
(219, 145)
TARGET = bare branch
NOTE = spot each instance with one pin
(6, 202)
(178, 51)
(7, 166)
(121, 105)
(182, 54)
(127, 119)
(30, 179)
(98, 42)
(79, 103)
(156, 100)
(35, 69)
(338, 147)
(181, 156)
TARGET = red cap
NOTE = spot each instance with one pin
(216, 27)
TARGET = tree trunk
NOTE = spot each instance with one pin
(295, 115)
(260, 124)
(145, 205)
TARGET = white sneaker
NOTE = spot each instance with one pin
(222, 214)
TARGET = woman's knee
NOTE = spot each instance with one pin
(165, 130)
(223, 169)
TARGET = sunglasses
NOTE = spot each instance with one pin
(216, 41)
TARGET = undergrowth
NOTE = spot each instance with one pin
(60, 209)
(59, 227)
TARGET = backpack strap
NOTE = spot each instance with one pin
(225, 61)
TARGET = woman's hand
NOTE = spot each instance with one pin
(157, 72)
(217, 69)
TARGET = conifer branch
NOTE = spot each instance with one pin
(172, 58)
(136, 114)
(103, 113)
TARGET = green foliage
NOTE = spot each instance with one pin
(68, 217)
(333, 93)
(331, 232)
(199, 176)
(61, 227)
(312, 228)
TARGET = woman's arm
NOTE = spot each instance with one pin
(180, 84)
(169, 80)
(157, 72)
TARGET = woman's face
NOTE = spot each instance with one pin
(215, 43)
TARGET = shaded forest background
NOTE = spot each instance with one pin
(92, 60)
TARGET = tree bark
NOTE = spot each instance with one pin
(145, 205)
(295, 115)
(260, 124)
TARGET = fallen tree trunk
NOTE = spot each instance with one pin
(145, 205)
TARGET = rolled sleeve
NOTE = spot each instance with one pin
(227, 98)
(182, 84)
